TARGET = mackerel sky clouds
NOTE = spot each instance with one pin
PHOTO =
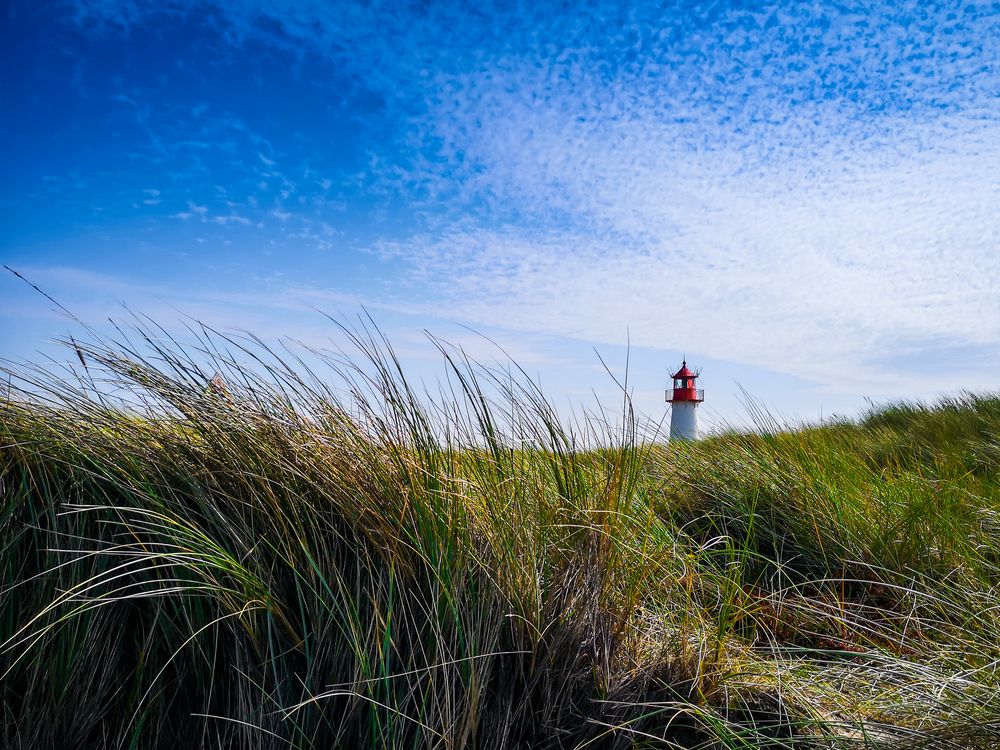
(803, 198)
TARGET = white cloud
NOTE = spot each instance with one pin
(821, 234)
(232, 219)
(807, 187)
(821, 268)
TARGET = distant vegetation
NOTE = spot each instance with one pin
(285, 558)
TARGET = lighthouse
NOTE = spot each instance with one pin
(684, 400)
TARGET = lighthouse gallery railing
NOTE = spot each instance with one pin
(699, 394)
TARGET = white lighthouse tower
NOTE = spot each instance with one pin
(684, 402)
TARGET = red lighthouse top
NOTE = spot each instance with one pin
(684, 388)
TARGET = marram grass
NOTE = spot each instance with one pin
(283, 558)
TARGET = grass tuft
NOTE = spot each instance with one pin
(218, 543)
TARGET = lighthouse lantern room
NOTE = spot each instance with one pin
(684, 400)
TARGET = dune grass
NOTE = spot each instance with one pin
(306, 552)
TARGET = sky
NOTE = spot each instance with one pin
(801, 199)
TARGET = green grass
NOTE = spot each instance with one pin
(324, 559)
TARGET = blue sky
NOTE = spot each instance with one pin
(803, 199)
